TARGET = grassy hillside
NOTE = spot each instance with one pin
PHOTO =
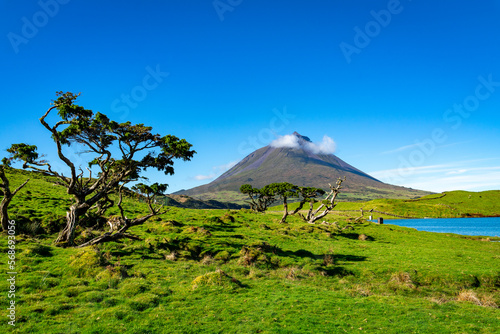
(218, 271)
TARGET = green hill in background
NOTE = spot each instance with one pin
(450, 204)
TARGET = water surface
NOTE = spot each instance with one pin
(465, 226)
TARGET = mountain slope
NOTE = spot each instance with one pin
(302, 165)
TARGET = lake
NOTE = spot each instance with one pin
(465, 226)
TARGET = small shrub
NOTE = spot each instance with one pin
(255, 255)
(87, 262)
(215, 278)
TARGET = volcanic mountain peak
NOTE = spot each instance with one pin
(301, 137)
(296, 159)
(297, 141)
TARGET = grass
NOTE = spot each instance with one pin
(451, 204)
(218, 271)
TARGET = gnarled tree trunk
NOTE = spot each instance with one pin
(7, 197)
(328, 204)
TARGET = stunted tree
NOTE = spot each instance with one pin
(119, 152)
(283, 190)
(118, 228)
(306, 194)
(260, 199)
(327, 204)
(8, 195)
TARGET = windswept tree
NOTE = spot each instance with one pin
(118, 229)
(259, 199)
(8, 195)
(327, 204)
(119, 152)
(306, 195)
(283, 191)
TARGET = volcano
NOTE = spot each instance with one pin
(302, 164)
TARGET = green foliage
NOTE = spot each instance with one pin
(23, 152)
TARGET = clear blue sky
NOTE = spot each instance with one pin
(378, 77)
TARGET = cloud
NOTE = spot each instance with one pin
(399, 149)
(419, 144)
(204, 177)
(289, 141)
(216, 171)
(326, 146)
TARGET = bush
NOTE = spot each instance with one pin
(215, 278)
(87, 262)
(257, 254)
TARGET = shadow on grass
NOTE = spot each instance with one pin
(356, 236)
(338, 271)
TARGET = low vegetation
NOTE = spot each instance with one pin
(212, 271)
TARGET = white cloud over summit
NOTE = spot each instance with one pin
(326, 146)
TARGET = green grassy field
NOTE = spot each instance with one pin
(452, 204)
(220, 271)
